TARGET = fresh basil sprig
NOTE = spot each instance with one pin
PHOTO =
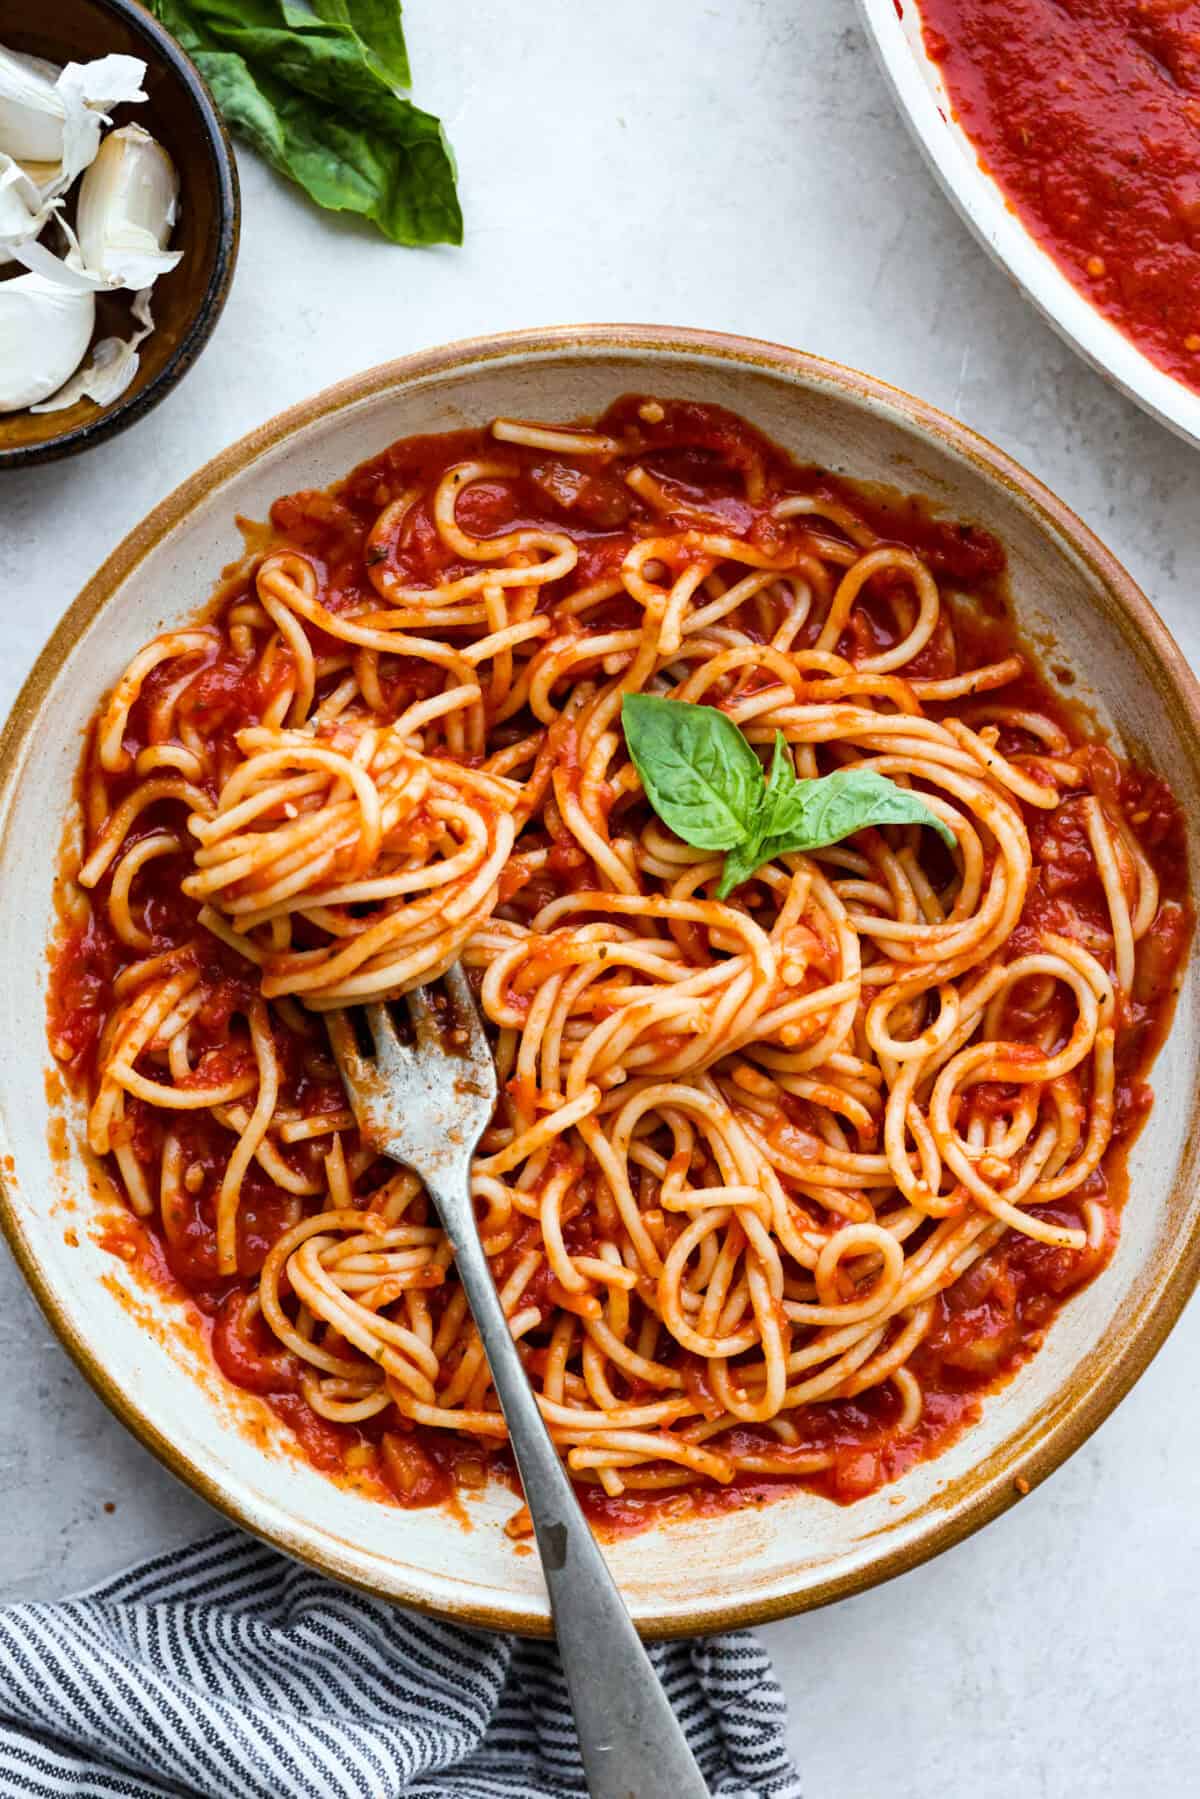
(315, 86)
(706, 783)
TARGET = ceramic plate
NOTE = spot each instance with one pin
(894, 27)
(138, 1349)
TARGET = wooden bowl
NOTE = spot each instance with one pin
(181, 114)
(137, 1347)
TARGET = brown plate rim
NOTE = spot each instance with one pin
(1074, 1416)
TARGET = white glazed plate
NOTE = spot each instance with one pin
(137, 1347)
(920, 91)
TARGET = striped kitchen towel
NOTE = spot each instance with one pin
(225, 1670)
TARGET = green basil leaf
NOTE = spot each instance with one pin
(821, 812)
(700, 774)
(173, 14)
(782, 788)
(707, 784)
(325, 60)
(313, 92)
(741, 862)
(746, 857)
(376, 24)
(809, 815)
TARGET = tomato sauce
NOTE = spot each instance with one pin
(1086, 113)
(984, 1326)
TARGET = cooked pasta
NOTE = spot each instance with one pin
(778, 1183)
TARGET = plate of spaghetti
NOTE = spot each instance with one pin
(808, 798)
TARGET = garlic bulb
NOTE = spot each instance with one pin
(45, 330)
(127, 206)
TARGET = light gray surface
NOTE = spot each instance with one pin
(737, 166)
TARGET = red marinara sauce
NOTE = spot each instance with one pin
(1087, 114)
(986, 1325)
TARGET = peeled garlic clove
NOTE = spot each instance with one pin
(50, 121)
(103, 378)
(31, 112)
(109, 369)
(127, 205)
(45, 330)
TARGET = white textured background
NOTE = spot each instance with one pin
(738, 166)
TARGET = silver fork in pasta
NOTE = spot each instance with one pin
(426, 1103)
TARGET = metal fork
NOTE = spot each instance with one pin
(427, 1105)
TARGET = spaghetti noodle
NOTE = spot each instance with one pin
(778, 1184)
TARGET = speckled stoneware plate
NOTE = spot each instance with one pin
(894, 27)
(691, 1576)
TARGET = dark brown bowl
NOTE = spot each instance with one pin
(187, 303)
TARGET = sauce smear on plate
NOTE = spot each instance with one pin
(1087, 114)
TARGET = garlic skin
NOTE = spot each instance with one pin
(45, 330)
(128, 201)
(88, 92)
(64, 271)
(20, 204)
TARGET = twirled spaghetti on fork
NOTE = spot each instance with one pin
(780, 1182)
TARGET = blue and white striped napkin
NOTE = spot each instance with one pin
(224, 1670)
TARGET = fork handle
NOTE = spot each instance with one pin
(630, 1739)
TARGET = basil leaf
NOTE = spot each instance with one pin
(741, 862)
(744, 858)
(376, 24)
(707, 784)
(700, 774)
(821, 812)
(313, 92)
(323, 59)
(782, 788)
